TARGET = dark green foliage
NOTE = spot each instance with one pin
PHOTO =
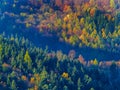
(13, 85)
(24, 66)
(49, 70)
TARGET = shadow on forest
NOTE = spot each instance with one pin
(9, 26)
(54, 44)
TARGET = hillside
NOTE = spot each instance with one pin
(59, 44)
(24, 66)
(68, 30)
(83, 23)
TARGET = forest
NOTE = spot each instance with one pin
(59, 44)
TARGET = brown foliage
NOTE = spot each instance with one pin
(92, 11)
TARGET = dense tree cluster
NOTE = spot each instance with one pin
(82, 22)
(24, 66)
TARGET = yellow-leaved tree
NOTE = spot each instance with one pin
(112, 3)
(28, 60)
(95, 62)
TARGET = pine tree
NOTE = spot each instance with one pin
(43, 76)
(95, 62)
(28, 60)
(8, 80)
(79, 83)
(65, 88)
(13, 85)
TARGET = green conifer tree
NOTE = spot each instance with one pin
(13, 85)
(28, 60)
